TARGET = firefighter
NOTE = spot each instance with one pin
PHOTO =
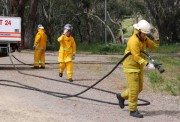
(67, 52)
(40, 47)
(133, 65)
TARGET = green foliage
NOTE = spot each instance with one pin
(178, 77)
(127, 27)
(98, 48)
(53, 47)
(167, 18)
(169, 81)
(111, 48)
(168, 48)
(88, 29)
(159, 83)
(170, 89)
(170, 61)
(155, 79)
(127, 22)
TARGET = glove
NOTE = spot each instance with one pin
(73, 57)
(154, 34)
(34, 47)
(150, 66)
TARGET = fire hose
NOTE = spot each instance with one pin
(157, 66)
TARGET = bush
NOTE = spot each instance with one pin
(53, 47)
(101, 48)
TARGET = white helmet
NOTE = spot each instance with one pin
(40, 26)
(143, 26)
(68, 27)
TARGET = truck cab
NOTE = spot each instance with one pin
(10, 35)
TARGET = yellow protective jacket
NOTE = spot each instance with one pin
(136, 61)
(67, 48)
(40, 40)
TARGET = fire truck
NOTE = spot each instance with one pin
(10, 35)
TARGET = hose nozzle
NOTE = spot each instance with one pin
(157, 66)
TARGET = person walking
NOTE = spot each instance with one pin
(40, 47)
(67, 52)
(134, 64)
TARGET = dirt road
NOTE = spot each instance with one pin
(24, 105)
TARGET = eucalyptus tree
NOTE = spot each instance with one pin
(4, 7)
(166, 15)
(87, 17)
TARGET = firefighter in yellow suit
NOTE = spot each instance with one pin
(133, 65)
(40, 47)
(67, 52)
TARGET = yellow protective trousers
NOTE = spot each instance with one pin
(135, 85)
(68, 66)
(39, 58)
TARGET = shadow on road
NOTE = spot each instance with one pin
(161, 112)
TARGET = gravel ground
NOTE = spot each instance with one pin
(24, 105)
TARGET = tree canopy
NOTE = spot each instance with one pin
(166, 15)
(87, 17)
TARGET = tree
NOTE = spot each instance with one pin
(30, 24)
(166, 15)
(5, 7)
(53, 14)
(17, 9)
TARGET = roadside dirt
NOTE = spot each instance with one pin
(23, 105)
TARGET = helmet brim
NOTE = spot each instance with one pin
(41, 27)
(147, 32)
(136, 26)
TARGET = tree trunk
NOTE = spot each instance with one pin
(18, 7)
(88, 29)
(104, 24)
(79, 30)
(120, 28)
(29, 31)
(5, 9)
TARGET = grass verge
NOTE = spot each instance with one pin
(169, 81)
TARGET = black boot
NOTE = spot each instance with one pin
(121, 100)
(60, 74)
(136, 114)
(42, 67)
(70, 80)
(35, 67)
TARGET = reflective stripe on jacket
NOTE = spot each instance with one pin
(67, 48)
(136, 61)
